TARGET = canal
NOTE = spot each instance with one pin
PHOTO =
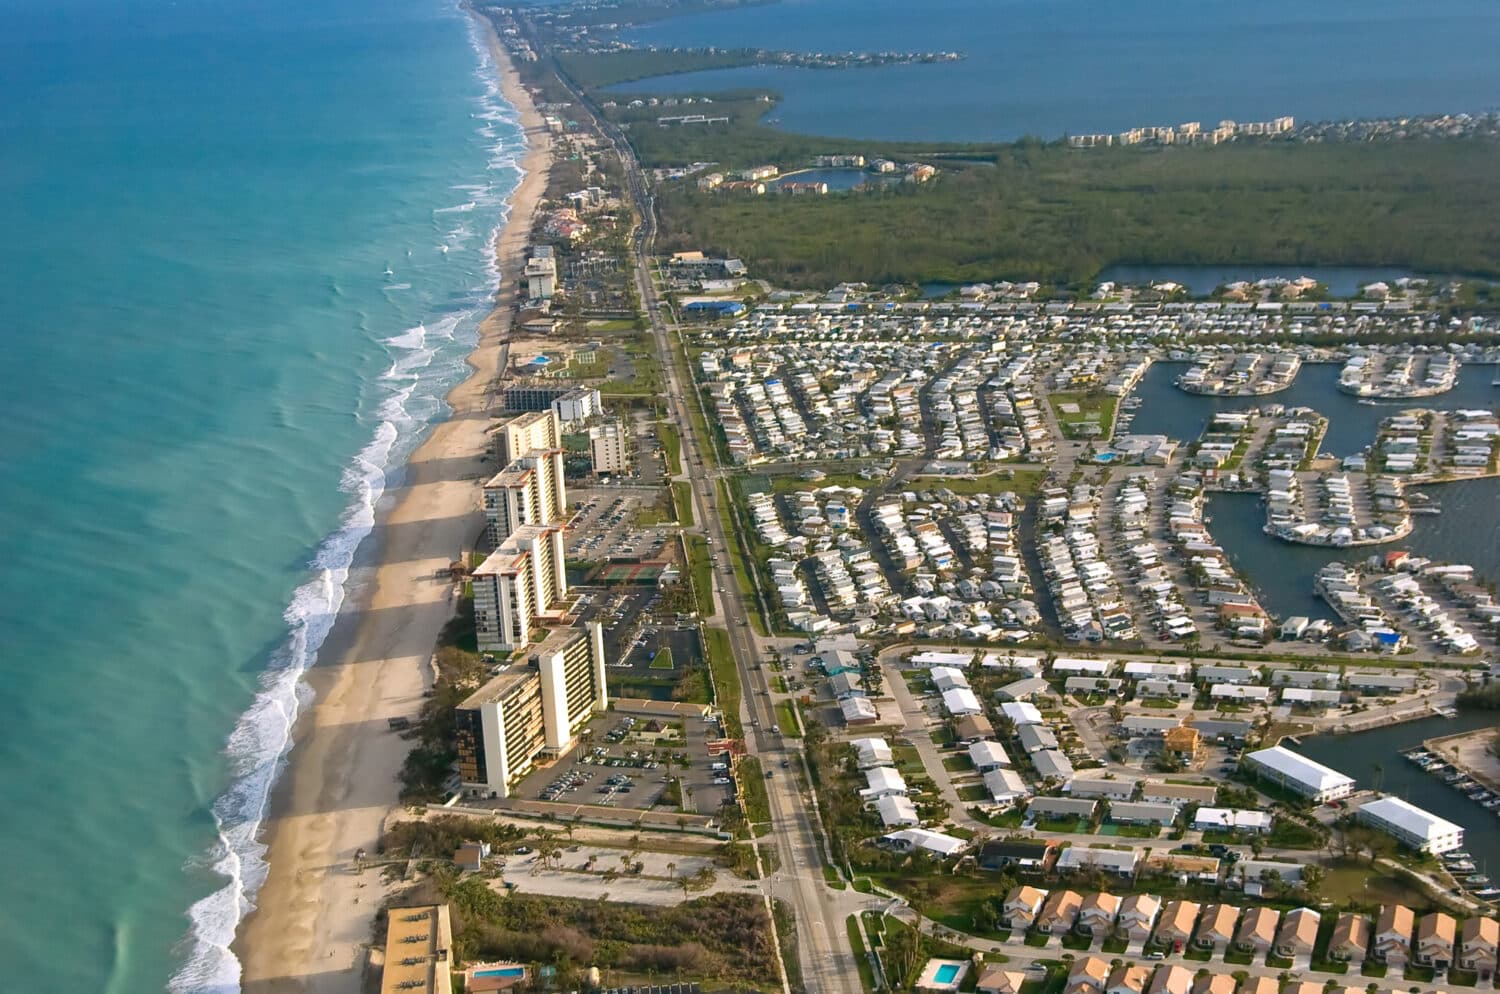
(1374, 759)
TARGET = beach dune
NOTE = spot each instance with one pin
(313, 915)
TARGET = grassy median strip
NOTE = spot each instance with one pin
(671, 443)
(742, 575)
(861, 958)
(682, 502)
(786, 720)
(701, 573)
(753, 788)
(726, 678)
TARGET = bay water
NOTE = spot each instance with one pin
(1078, 66)
(245, 251)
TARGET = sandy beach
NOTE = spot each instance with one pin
(313, 915)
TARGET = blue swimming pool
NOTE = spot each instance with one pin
(946, 973)
(501, 971)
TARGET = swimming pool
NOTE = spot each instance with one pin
(501, 971)
(946, 973)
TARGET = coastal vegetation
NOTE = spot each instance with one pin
(1484, 697)
(460, 671)
(721, 937)
(1061, 215)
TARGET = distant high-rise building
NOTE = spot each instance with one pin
(541, 273)
(531, 710)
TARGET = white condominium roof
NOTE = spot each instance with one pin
(1409, 818)
(1290, 764)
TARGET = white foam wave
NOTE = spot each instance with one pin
(462, 208)
(258, 745)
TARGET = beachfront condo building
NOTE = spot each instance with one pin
(609, 447)
(521, 583)
(541, 273)
(529, 491)
(530, 710)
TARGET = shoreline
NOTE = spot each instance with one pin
(313, 915)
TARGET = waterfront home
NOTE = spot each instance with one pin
(1481, 946)
(1059, 912)
(1411, 826)
(1137, 917)
(1096, 916)
(1436, 933)
(1393, 928)
(1128, 978)
(1171, 979)
(1298, 932)
(1214, 983)
(1257, 930)
(998, 980)
(1022, 905)
(1216, 928)
(1088, 976)
(1176, 925)
(1299, 774)
(1350, 939)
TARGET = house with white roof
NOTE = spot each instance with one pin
(1021, 712)
(987, 755)
(883, 782)
(897, 811)
(871, 752)
(961, 700)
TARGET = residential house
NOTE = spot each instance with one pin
(1141, 813)
(1216, 927)
(1298, 933)
(1137, 917)
(1171, 979)
(1128, 978)
(1028, 854)
(1160, 792)
(1214, 983)
(1393, 928)
(1096, 916)
(1257, 930)
(998, 980)
(1260, 985)
(1088, 975)
(1481, 946)
(1436, 933)
(1304, 987)
(1059, 912)
(1117, 861)
(1350, 939)
(1175, 928)
(1022, 905)
(1183, 743)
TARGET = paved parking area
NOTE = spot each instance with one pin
(618, 766)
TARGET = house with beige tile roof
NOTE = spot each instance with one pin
(1350, 939)
(1257, 930)
(1175, 927)
(1096, 915)
(1481, 946)
(1128, 978)
(1171, 979)
(1304, 987)
(1059, 912)
(1298, 933)
(1436, 935)
(1087, 976)
(1393, 928)
(1214, 983)
(1216, 927)
(998, 980)
(1137, 917)
(1260, 985)
(1022, 905)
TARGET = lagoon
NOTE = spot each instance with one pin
(1075, 67)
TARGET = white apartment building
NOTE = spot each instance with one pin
(609, 446)
(521, 582)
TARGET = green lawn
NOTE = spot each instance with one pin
(786, 720)
(861, 958)
(663, 659)
(726, 678)
(753, 791)
(957, 764)
(682, 503)
(671, 443)
(700, 572)
(975, 792)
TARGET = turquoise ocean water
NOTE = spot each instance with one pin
(244, 252)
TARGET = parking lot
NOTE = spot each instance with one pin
(639, 762)
(604, 524)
